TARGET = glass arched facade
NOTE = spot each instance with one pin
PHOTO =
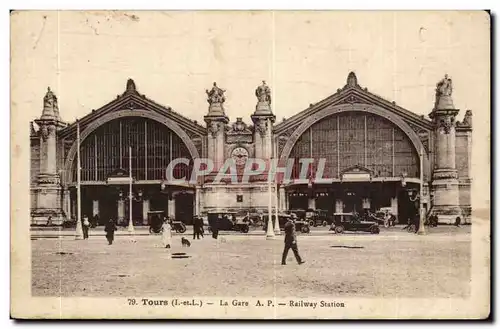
(152, 145)
(357, 139)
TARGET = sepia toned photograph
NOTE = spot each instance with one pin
(250, 164)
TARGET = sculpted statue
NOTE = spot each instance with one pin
(263, 93)
(467, 119)
(50, 100)
(444, 87)
(216, 95)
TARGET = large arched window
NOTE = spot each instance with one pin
(357, 139)
(153, 146)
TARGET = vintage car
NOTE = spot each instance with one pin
(318, 217)
(226, 221)
(352, 222)
(155, 220)
(300, 225)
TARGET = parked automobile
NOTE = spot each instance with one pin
(155, 220)
(353, 222)
(300, 225)
(319, 217)
(227, 221)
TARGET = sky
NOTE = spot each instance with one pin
(87, 57)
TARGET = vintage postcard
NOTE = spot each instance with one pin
(250, 164)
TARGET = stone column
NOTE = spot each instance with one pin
(197, 201)
(445, 176)
(282, 201)
(339, 206)
(171, 206)
(366, 203)
(49, 192)
(67, 203)
(145, 210)
(95, 207)
(311, 202)
(394, 206)
(121, 211)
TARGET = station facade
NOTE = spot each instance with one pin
(375, 152)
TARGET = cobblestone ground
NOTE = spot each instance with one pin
(395, 264)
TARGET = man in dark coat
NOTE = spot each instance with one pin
(291, 242)
(197, 227)
(110, 229)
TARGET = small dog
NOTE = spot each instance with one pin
(185, 242)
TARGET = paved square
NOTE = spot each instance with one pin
(391, 265)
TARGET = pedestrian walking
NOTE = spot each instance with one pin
(166, 234)
(110, 229)
(291, 241)
(85, 227)
(197, 227)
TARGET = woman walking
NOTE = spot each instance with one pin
(166, 234)
(110, 229)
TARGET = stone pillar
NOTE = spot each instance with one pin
(311, 202)
(366, 203)
(445, 177)
(67, 203)
(171, 207)
(95, 208)
(48, 189)
(339, 206)
(145, 210)
(121, 211)
(263, 120)
(216, 120)
(282, 201)
(197, 201)
(394, 206)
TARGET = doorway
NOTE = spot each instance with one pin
(184, 207)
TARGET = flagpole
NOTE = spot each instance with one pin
(79, 229)
(130, 222)
(270, 231)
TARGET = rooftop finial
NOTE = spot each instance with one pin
(352, 80)
(131, 85)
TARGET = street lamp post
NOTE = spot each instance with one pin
(270, 231)
(130, 221)
(421, 226)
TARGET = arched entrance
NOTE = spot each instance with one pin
(136, 146)
(367, 156)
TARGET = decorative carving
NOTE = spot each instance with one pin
(44, 132)
(446, 123)
(213, 128)
(215, 95)
(467, 121)
(239, 133)
(32, 129)
(445, 174)
(351, 99)
(261, 127)
(263, 93)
